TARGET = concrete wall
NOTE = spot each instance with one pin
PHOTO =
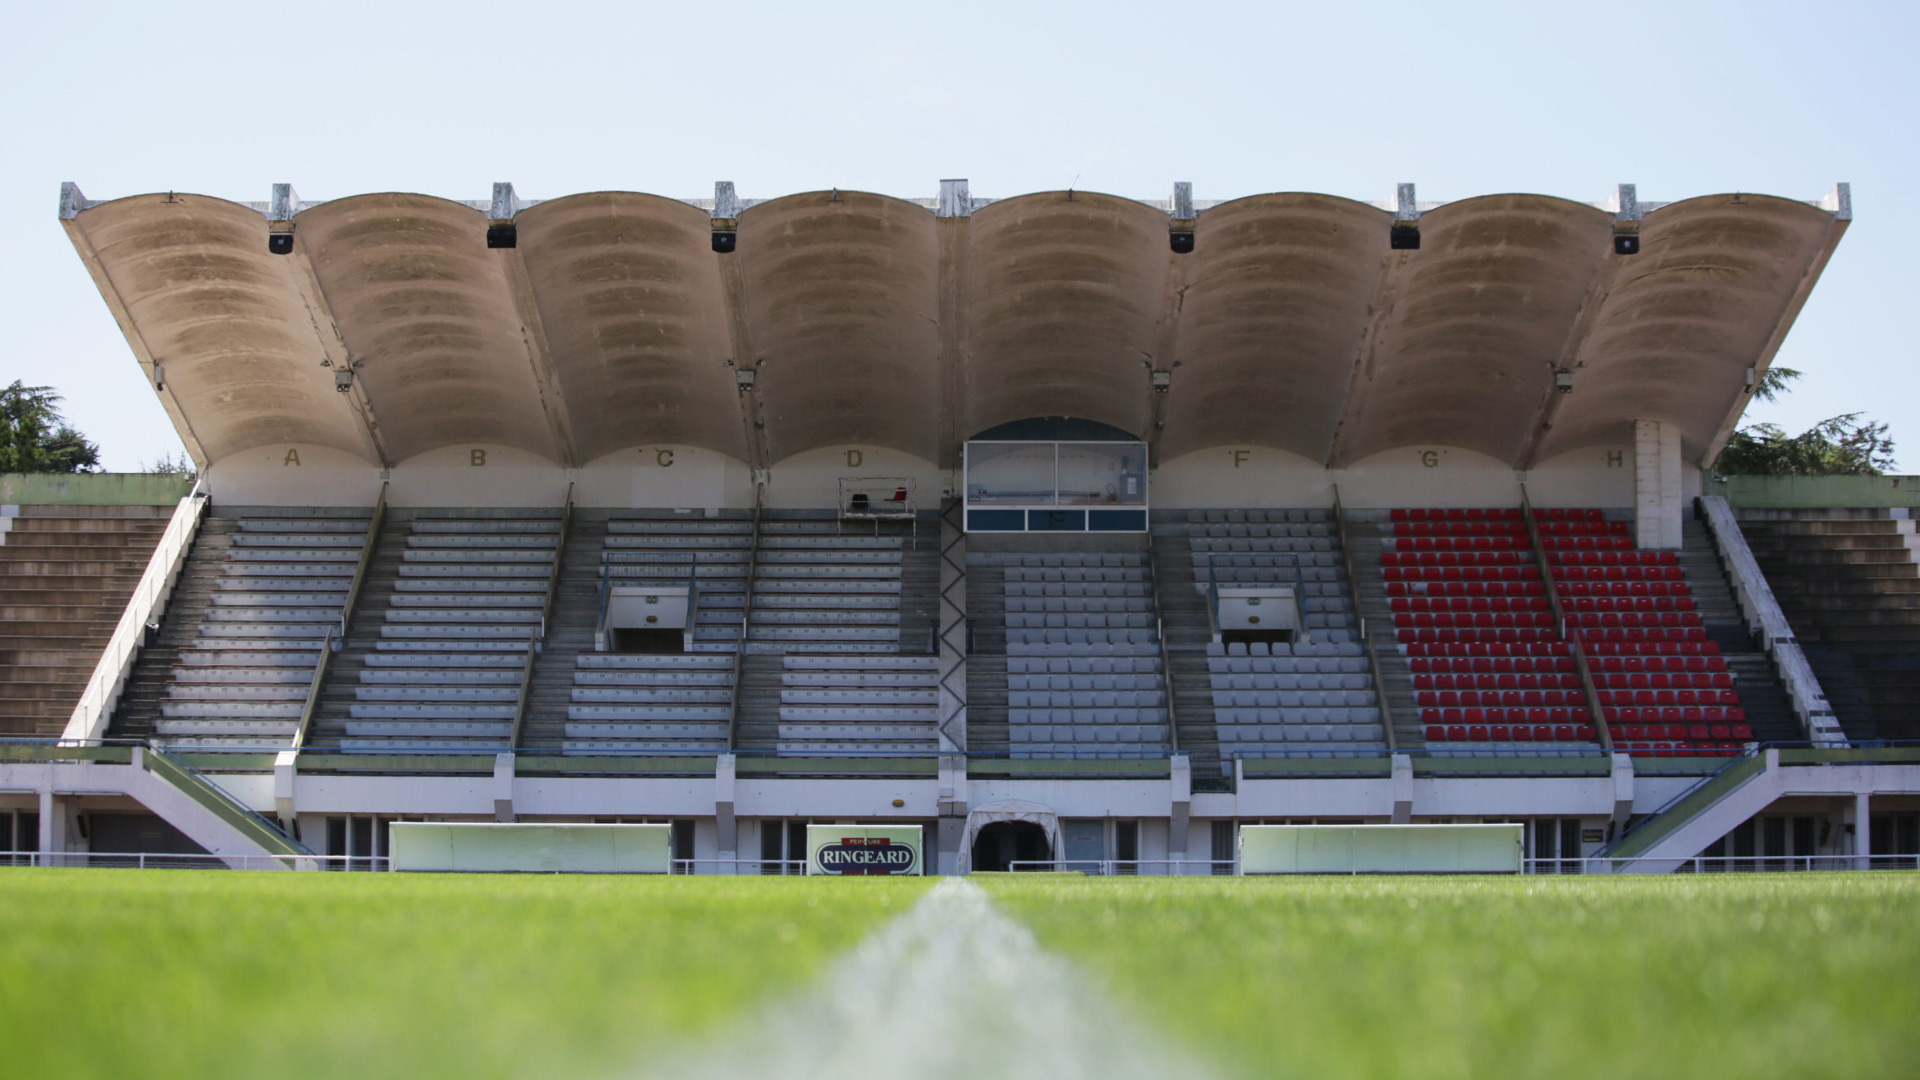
(92, 489)
(1819, 492)
(692, 477)
(1257, 476)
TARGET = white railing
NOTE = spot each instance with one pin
(1128, 867)
(1765, 618)
(144, 607)
(1722, 864)
(1701, 864)
(156, 860)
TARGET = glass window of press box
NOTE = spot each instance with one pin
(1056, 485)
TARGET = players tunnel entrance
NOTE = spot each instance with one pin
(1005, 842)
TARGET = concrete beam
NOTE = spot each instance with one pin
(954, 232)
(1658, 487)
(1606, 271)
(1863, 831)
(533, 333)
(1180, 810)
(1402, 789)
(503, 787)
(327, 335)
(733, 282)
(286, 766)
(1622, 773)
(1166, 351)
(1396, 267)
(725, 796)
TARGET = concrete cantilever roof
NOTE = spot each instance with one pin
(869, 319)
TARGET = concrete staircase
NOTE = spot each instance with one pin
(1769, 713)
(651, 702)
(237, 650)
(1849, 585)
(66, 573)
(1365, 542)
(1084, 677)
(987, 657)
(852, 600)
(866, 704)
(441, 640)
(1183, 610)
(821, 587)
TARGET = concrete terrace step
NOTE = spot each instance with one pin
(180, 726)
(874, 714)
(483, 654)
(653, 678)
(458, 711)
(470, 558)
(650, 695)
(441, 675)
(457, 527)
(673, 661)
(858, 678)
(859, 697)
(640, 713)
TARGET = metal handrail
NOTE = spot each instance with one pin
(366, 561)
(1366, 639)
(1379, 687)
(1166, 658)
(692, 620)
(313, 691)
(223, 804)
(1299, 588)
(1346, 559)
(746, 620)
(559, 556)
(526, 692)
(1587, 686)
(606, 594)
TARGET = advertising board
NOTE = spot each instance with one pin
(863, 851)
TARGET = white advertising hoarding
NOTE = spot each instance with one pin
(487, 847)
(1380, 849)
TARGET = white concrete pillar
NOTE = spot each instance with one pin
(1862, 832)
(1658, 491)
(52, 836)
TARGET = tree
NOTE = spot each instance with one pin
(35, 437)
(1843, 445)
(175, 465)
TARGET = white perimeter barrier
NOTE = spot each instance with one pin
(490, 847)
(1380, 849)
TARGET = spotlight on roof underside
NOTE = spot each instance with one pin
(503, 235)
(1181, 240)
(1626, 243)
(724, 242)
(280, 243)
(1405, 237)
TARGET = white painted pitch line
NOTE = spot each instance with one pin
(952, 989)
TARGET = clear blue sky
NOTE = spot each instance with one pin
(1463, 99)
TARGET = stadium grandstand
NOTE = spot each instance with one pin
(1077, 530)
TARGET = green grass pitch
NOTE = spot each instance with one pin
(205, 974)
